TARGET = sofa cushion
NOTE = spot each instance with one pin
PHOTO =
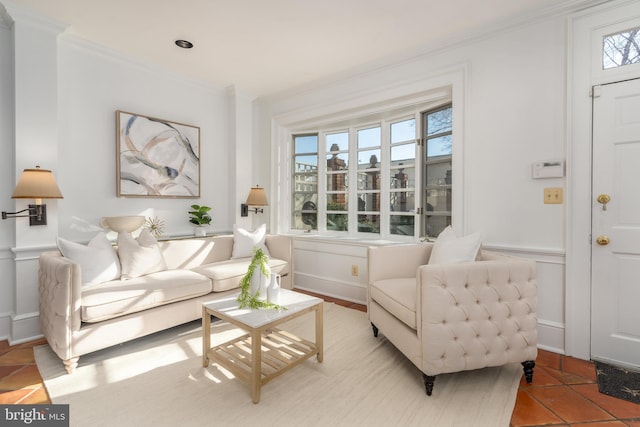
(139, 256)
(98, 260)
(398, 297)
(244, 241)
(227, 275)
(104, 301)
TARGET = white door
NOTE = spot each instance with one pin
(615, 286)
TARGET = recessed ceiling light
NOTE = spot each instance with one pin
(184, 44)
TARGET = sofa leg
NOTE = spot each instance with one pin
(428, 383)
(375, 330)
(528, 370)
(71, 364)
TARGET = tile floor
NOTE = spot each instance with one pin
(563, 394)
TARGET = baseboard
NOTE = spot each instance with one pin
(25, 328)
(341, 290)
(551, 336)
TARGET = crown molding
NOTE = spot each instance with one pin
(10, 13)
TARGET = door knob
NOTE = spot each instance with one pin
(602, 240)
(603, 199)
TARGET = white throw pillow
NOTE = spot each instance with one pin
(98, 259)
(244, 241)
(449, 249)
(139, 256)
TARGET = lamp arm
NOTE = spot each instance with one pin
(6, 215)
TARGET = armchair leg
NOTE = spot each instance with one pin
(375, 330)
(528, 370)
(428, 383)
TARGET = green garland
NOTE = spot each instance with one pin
(245, 298)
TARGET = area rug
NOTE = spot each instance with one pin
(618, 382)
(159, 381)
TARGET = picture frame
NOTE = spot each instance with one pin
(156, 157)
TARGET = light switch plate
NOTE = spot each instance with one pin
(552, 196)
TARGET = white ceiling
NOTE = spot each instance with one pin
(266, 46)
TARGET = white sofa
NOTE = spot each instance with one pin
(454, 317)
(77, 319)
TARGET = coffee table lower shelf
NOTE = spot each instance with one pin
(280, 351)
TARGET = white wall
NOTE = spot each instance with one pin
(513, 115)
(94, 83)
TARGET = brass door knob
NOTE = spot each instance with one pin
(604, 199)
(602, 240)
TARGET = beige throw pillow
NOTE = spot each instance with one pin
(98, 259)
(139, 256)
(449, 249)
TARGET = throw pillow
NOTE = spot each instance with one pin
(449, 249)
(244, 241)
(139, 256)
(98, 259)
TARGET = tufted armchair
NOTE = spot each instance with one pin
(454, 317)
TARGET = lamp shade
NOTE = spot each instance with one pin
(36, 184)
(257, 197)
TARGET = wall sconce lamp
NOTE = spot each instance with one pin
(35, 184)
(257, 197)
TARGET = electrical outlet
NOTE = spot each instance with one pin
(354, 270)
(552, 196)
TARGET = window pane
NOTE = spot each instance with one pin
(369, 202)
(369, 223)
(403, 178)
(439, 200)
(369, 159)
(369, 137)
(440, 146)
(403, 154)
(307, 183)
(337, 202)
(337, 182)
(369, 180)
(337, 222)
(306, 144)
(403, 131)
(435, 224)
(305, 211)
(338, 141)
(305, 164)
(337, 162)
(439, 121)
(402, 201)
(621, 49)
(402, 225)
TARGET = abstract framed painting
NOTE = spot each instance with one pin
(156, 157)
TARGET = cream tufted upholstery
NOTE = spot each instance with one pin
(72, 316)
(454, 317)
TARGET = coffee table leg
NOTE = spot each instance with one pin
(256, 365)
(319, 333)
(206, 336)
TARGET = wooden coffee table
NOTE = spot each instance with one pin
(265, 352)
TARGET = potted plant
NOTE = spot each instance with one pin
(199, 215)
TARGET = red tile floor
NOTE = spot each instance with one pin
(564, 391)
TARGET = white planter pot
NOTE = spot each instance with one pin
(200, 231)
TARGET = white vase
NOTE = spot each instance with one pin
(273, 291)
(200, 231)
(259, 283)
